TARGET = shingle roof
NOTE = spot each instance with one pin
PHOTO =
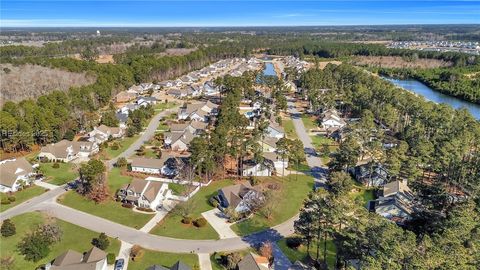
(11, 169)
(234, 193)
(180, 266)
(157, 267)
(148, 163)
(248, 263)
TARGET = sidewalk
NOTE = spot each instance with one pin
(46, 185)
(204, 261)
(168, 205)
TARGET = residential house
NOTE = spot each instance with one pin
(210, 89)
(135, 89)
(147, 165)
(371, 175)
(198, 111)
(122, 119)
(397, 202)
(269, 144)
(145, 101)
(253, 262)
(240, 197)
(124, 97)
(66, 151)
(178, 141)
(102, 133)
(180, 93)
(143, 193)
(279, 163)
(127, 108)
(94, 259)
(177, 266)
(15, 173)
(252, 168)
(274, 130)
(331, 120)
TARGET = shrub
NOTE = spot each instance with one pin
(187, 220)
(12, 198)
(56, 165)
(254, 181)
(200, 222)
(213, 201)
(136, 253)
(8, 228)
(101, 241)
(121, 162)
(145, 209)
(114, 146)
(5, 200)
(127, 205)
(110, 258)
(294, 242)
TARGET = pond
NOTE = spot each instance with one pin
(435, 96)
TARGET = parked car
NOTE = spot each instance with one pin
(119, 264)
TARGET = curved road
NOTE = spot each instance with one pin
(47, 203)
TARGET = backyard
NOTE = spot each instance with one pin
(21, 196)
(73, 237)
(65, 172)
(300, 254)
(162, 259)
(292, 193)
(171, 225)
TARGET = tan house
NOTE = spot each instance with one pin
(144, 193)
(94, 259)
(125, 96)
(14, 173)
(101, 133)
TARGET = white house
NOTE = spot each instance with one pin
(147, 165)
(275, 131)
(94, 259)
(144, 193)
(102, 133)
(145, 101)
(66, 151)
(251, 168)
(279, 163)
(178, 141)
(14, 173)
(331, 119)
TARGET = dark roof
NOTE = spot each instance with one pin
(180, 266)
(157, 267)
(248, 263)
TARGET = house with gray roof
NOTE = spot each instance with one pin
(253, 262)
(94, 259)
(147, 165)
(66, 151)
(397, 203)
(177, 266)
(14, 173)
(143, 193)
(240, 197)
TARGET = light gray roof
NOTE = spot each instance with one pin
(10, 170)
(148, 163)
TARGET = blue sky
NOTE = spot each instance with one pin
(234, 13)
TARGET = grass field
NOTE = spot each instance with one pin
(109, 209)
(116, 180)
(163, 259)
(300, 254)
(73, 237)
(289, 128)
(124, 144)
(362, 194)
(318, 141)
(171, 225)
(59, 176)
(160, 106)
(290, 200)
(21, 196)
(309, 122)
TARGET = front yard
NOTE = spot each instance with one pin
(21, 196)
(171, 225)
(290, 199)
(309, 122)
(300, 254)
(112, 152)
(73, 237)
(318, 141)
(65, 172)
(162, 259)
(109, 209)
(289, 128)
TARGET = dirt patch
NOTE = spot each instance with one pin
(323, 64)
(399, 62)
(31, 81)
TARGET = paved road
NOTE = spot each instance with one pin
(145, 136)
(319, 170)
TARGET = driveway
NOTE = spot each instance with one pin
(281, 262)
(219, 222)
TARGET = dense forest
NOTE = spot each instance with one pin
(438, 151)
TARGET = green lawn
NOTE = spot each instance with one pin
(177, 189)
(109, 209)
(300, 254)
(291, 197)
(21, 196)
(160, 106)
(319, 140)
(289, 128)
(124, 144)
(309, 122)
(59, 176)
(116, 180)
(216, 257)
(362, 194)
(73, 237)
(164, 259)
(171, 225)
